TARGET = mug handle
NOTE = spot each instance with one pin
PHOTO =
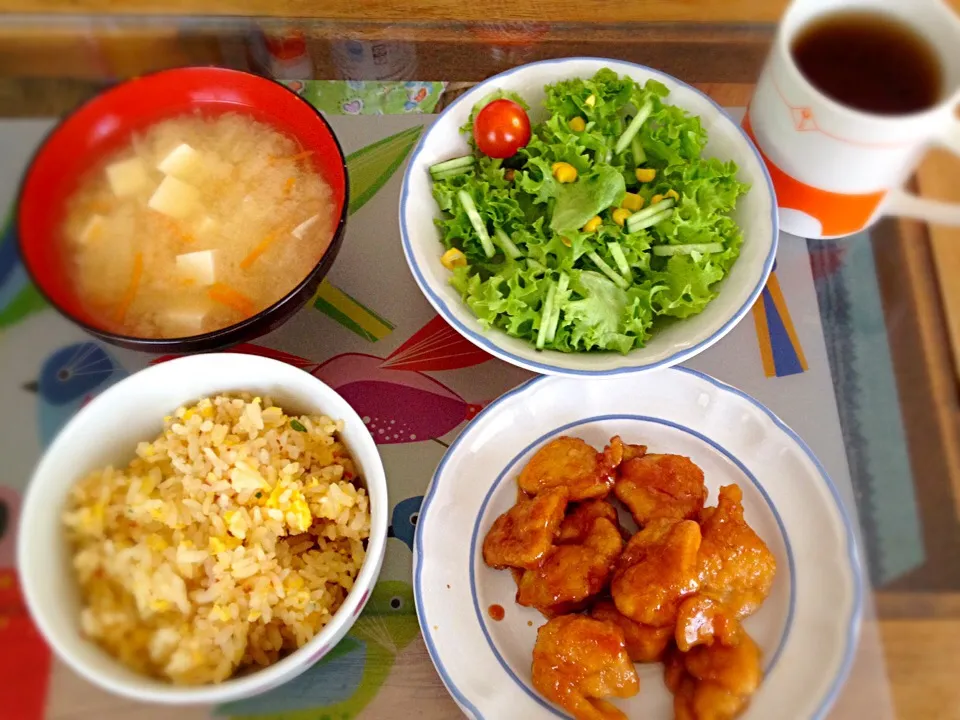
(905, 204)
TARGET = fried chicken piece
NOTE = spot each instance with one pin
(674, 670)
(735, 668)
(657, 570)
(578, 660)
(735, 566)
(714, 682)
(683, 697)
(712, 702)
(523, 535)
(701, 620)
(572, 573)
(654, 486)
(724, 678)
(633, 451)
(644, 643)
(578, 523)
(570, 462)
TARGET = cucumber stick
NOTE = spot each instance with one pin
(506, 244)
(459, 162)
(641, 215)
(636, 149)
(702, 248)
(651, 220)
(462, 170)
(470, 208)
(633, 128)
(614, 276)
(621, 260)
(546, 315)
(562, 285)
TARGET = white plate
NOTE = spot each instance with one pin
(756, 215)
(807, 628)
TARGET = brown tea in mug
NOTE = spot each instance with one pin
(869, 62)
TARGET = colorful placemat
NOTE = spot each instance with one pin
(361, 97)
(370, 334)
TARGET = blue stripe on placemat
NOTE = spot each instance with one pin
(785, 357)
(858, 347)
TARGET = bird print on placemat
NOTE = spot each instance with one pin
(344, 682)
(69, 378)
(397, 400)
(397, 406)
(403, 520)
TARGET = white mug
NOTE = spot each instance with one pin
(837, 170)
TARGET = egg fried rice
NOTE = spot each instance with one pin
(229, 541)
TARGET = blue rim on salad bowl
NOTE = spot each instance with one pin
(680, 340)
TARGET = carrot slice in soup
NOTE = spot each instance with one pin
(296, 158)
(226, 295)
(259, 250)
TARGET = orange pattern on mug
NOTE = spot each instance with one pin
(838, 213)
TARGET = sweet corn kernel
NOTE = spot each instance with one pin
(566, 241)
(655, 199)
(564, 172)
(453, 258)
(646, 174)
(632, 201)
(671, 193)
(620, 216)
(157, 543)
(293, 582)
(593, 224)
(591, 100)
(577, 124)
(217, 545)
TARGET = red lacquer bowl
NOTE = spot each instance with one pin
(105, 123)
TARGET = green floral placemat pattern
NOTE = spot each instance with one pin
(339, 97)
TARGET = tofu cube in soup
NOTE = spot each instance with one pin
(92, 230)
(175, 198)
(197, 267)
(188, 318)
(183, 162)
(127, 177)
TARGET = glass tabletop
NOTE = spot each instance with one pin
(851, 342)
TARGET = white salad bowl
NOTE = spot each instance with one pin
(756, 214)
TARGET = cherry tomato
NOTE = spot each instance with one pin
(501, 128)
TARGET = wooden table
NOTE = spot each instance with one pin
(48, 63)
